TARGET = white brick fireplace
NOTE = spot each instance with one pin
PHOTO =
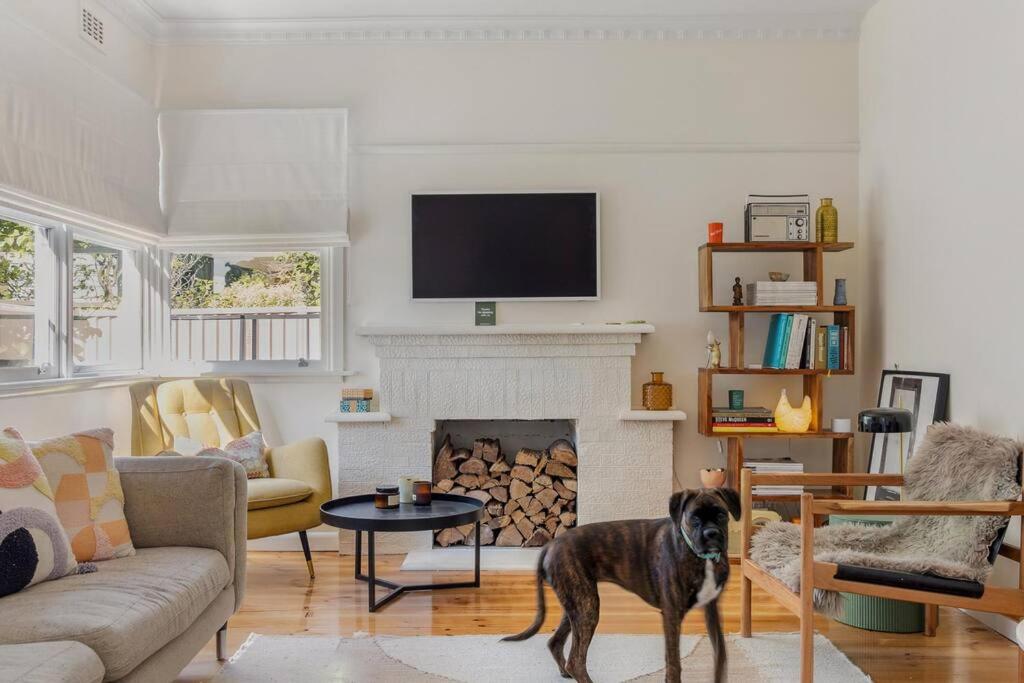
(579, 373)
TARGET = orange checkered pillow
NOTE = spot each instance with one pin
(87, 492)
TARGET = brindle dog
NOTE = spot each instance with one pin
(673, 563)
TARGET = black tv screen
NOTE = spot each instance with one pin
(486, 247)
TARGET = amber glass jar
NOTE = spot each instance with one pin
(386, 498)
(421, 493)
(657, 393)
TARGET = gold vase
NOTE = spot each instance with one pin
(826, 222)
(657, 393)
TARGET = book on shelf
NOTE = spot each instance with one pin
(733, 420)
(742, 414)
(775, 466)
(833, 347)
(782, 294)
(797, 342)
(773, 347)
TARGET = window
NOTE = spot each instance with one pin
(71, 303)
(106, 298)
(247, 307)
(27, 303)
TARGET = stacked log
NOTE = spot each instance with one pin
(528, 499)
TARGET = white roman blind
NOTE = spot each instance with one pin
(72, 136)
(254, 171)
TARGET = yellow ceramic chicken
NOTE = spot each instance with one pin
(790, 419)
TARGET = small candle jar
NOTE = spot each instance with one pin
(405, 489)
(386, 498)
(421, 493)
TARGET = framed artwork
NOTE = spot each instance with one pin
(926, 396)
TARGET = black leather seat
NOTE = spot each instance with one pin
(918, 582)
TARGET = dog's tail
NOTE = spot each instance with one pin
(538, 621)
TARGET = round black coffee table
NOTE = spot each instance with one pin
(358, 514)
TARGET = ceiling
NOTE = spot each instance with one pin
(305, 20)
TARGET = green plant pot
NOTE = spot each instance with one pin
(878, 614)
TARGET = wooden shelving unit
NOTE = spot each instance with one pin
(813, 380)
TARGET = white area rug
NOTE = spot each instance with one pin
(455, 559)
(484, 659)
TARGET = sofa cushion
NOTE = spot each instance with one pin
(126, 611)
(87, 492)
(33, 545)
(273, 492)
(63, 660)
(250, 452)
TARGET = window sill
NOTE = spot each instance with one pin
(62, 385)
(268, 376)
(40, 387)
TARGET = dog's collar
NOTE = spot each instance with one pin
(717, 556)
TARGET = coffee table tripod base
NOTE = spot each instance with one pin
(398, 589)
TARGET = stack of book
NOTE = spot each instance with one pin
(726, 420)
(775, 466)
(782, 294)
(797, 341)
(356, 400)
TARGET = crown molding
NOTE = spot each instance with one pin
(605, 148)
(510, 29)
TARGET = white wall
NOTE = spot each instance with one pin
(539, 113)
(942, 158)
(77, 125)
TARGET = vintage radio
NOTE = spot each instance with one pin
(778, 218)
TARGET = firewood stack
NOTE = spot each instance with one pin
(527, 501)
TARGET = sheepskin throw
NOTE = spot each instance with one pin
(952, 463)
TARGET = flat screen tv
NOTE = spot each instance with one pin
(505, 247)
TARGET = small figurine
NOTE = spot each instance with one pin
(714, 351)
(737, 293)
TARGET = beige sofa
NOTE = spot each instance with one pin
(140, 618)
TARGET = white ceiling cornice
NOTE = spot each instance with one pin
(736, 26)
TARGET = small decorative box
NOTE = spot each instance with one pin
(349, 393)
(355, 405)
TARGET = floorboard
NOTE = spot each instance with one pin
(281, 599)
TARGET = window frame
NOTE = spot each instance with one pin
(46, 322)
(331, 310)
(134, 253)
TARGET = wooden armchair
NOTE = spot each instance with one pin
(830, 576)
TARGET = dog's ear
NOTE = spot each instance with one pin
(677, 503)
(732, 501)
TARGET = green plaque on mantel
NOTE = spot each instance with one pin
(486, 313)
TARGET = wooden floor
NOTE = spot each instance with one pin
(281, 599)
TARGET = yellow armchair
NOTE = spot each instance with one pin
(216, 411)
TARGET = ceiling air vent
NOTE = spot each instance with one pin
(92, 28)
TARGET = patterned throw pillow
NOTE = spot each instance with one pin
(33, 545)
(248, 451)
(87, 492)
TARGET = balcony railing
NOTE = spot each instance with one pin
(17, 333)
(197, 334)
(231, 334)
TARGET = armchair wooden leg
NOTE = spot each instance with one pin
(931, 619)
(806, 588)
(745, 607)
(309, 557)
(222, 643)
